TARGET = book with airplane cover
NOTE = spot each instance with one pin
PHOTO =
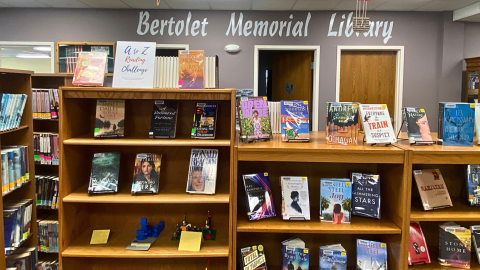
(104, 173)
(333, 257)
(342, 123)
(455, 245)
(335, 200)
(259, 196)
(377, 124)
(295, 121)
(476, 240)
(294, 254)
(253, 258)
(473, 185)
(110, 118)
(191, 68)
(432, 189)
(204, 121)
(366, 195)
(417, 249)
(418, 128)
(456, 124)
(146, 173)
(295, 199)
(90, 69)
(164, 119)
(371, 255)
(202, 172)
(254, 119)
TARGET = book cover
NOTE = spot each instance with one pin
(476, 240)
(191, 65)
(164, 119)
(253, 258)
(202, 172)
(104, 173)
(295, 121)
(454, 245)
(458, 124)
(418, 129)
(366, 195)
(342, 123)
(371, 255)
(294, 255)
(254, 119)
(110, 118)
(204, 121)
(259, 196)
(477, 121)
(146, 173)
(417, 249)
(377, 124)
(335, 200)
(295, 199)
(332, 257)
(90, 69)
(432, 189)
(473, 185)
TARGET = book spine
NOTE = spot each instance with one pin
(441, 111)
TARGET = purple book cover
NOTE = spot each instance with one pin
(259, 196)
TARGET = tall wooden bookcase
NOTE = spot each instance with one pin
(19, 82)
(80, 213)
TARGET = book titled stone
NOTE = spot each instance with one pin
(204, 121)
(366, 195)
(254, 119)
(259, 198)
(110, 118)
(104, 173)
(202, 172)
(454, 245)
(146, 173)
(333, 257)
(342, 123)
(371, 255)
(295, 199)
(253, 258)
(164, 119)
(377, 124)
(473, 185)
(335, 200)
(294, 121)
(432, 189)
(456, 124)
(294, 254)
(476, 240)
(418, 128)
(417, 248)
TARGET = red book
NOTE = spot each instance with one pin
(417, 249)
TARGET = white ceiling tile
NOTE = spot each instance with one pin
(315, 4)
(352, 4)
(231, 4)
(188, 4)
(145, 4)
(273, 4)
(105, 3)
(444, 5)
(64, 3)
(402, 5)
(23, 3)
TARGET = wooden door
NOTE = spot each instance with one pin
(368, 77)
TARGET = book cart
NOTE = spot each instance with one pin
(316, 160)
(19, 82)
(80, 213)
(451, 161)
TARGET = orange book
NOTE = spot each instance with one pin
(90, 70)
(190, 67)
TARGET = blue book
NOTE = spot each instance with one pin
(294, 121)
(9, 223)
(4, 110)
(456, 124)
(473, 186)
(335, 200)
(332, 257)
(294, 255)
(366, 195)
(371, 255)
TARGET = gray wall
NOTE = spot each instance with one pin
(434, 45)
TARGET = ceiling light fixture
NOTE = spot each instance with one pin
(36, 55)
(361, 23)
(42, 48)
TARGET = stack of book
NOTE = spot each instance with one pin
(166, 72)
(45, 103)
(15, 170)
(46, 191)
(48, 234)
(45, 147)
(11, 110)
(17, 219)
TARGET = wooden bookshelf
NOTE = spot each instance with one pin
(80, 213)
(19, 82)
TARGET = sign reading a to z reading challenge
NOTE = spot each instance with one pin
(134, 64)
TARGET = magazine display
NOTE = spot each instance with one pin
(202, 173)
(254, 119)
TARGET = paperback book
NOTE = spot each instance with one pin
(90, 69)
(417, 249)
(202, 173)
(454, 245)
(104, 174)
(164, 119)
(432, 189)
(191, 65)
(259, 196)
(417, 126)
(476, 240)
(456, 124)
(204, 121)
(342, 123)
(371, 255)
(146, 173)
(335, 200)
(333, 257)
(295, 121)
(253, 258)
(254, 119)
(473, 185)
(294, 254)
(110, 118)
(366, 195)
(46, 191)
(377, 124)
(295, 199)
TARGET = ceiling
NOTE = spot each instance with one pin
(380, 5)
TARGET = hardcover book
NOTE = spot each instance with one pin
(473, 186)
(164, 119)
(294, 254)
(432, 189)
(342, 123)
(191, 65)
(295, 121)
(377, 124)
(259, 196)
(476, 239)
(204, 121)
(146, 173)
(104, 174)
(371, 255)
(335, 200)
(110, 119)
(253, 258)
(254, 119)
(295, 199)
(90, 69)
(454, 245)
(366, 195)
(417, 126)
(417, 249)
(456, 124)
(333, 257)
(202, 172)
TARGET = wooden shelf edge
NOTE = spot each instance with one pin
(461, 211)
(13, 130)
(16, 71)
(90, 140)
(158, 90)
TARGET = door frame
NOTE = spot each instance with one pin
(398, 75)
(316, 72)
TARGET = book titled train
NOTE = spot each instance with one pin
(164, 119)
(342, 123)
(472, 184)
(432, 189)
(418, 128)
(110, 118)
(259, 196)
(294, 121)
(254, 119)
(104, 174)
(204, 121)
(190, 66)
(294, 254)
(371, 255)
(146, 173)
(454, 245)
(366, 195)
(333, 257)
(202, 172)
(417, 249)
(456, 124)
(335, 200)
(295, 199)
(253, 258)
(377, 124)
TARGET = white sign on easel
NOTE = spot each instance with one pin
(134, 64)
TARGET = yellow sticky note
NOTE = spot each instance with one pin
(190, 241)
(99, 237)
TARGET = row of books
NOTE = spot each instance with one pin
(46, 148)
(45, 103)
(166, 72)
(48, 262)
(202, 174)
(48, 234)
(339, 198)
(46, 187)
(274, 111)
(17, 219)
(25, 258)
(370, 255)
(15, 167)
(11, 110)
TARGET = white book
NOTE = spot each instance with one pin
(477, 121)
(206, 69)
(212, 72)
(175, 73)
(169, 71)
(162, 71)
(295, 199)
(155, 73)
(377, 124)
(159, 72)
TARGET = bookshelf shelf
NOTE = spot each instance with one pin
(434, 265)
(13, 130)
(461, 211)
(11, 191)
(51, 120)
(21, 245)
